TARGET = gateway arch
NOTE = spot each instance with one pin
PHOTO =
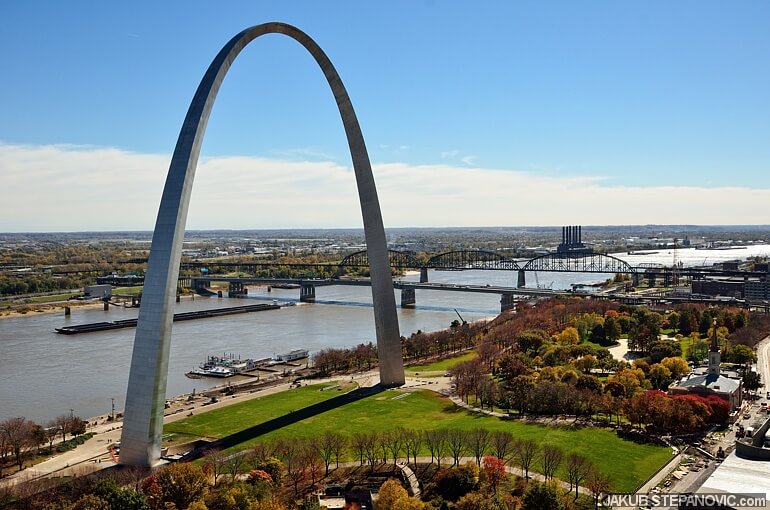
(146, 394)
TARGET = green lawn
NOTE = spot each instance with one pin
(52, 298)
(128, 291)
(442, 365)
(424, 410)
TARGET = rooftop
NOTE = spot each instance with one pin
(711, 381)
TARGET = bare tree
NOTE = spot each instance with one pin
(218, 462)
(217, 459)
(382, 443)
(436, 441)
(358, 443)
(457, 440)
(313, 462)
(394, 440)
(412, 443)
(598, 484)
(234, 462)
(292, 452)
(578, 468)
(18, 435)
(502, 444)
(51, 431)
(324, 446)
(370, 448)
(550, 459)
(479, 440)
(340, 443)
(525, 451)
(258, 453)
(62, 423)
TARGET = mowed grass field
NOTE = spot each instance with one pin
(626, 463)
(442, 365)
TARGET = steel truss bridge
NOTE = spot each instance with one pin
(459, 260)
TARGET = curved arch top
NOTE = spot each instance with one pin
(145, 398)
(470, 258)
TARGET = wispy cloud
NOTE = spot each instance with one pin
(48, 188)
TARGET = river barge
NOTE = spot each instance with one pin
(184, 316)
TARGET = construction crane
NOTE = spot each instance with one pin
(461, 317)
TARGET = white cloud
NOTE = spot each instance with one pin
(56, 188)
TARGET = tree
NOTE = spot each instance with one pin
(578, 468)
(216, 460)
(743, 355)
(90, 502)
(394, 441)
(569, 336)
(542, 496)
(660, 349)
(123, 498)
(494, 470)
(412, 443)
(18, 437)
(660, 376)
(452, 484)
(436, 442)
(358, 443)
(752, 381)
(456, 442)
(479, 440)
(502, 443)
(550, 459)
(181, 484)
(392, 496)
(612, 330)
(273, 467)
(325, 446)
(698, 349)
(598, 484)
(677, 366)
(525, 451)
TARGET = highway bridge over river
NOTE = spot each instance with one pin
(509, 296)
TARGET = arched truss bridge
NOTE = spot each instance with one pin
(579, 263)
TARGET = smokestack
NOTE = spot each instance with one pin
(569, 234)
(563, 235)
(580, 234)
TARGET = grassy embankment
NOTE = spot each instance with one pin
(441, 365)
(421, 410)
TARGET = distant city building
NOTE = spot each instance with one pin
(712, 382)
(757, 290)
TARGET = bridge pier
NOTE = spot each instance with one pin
(307, 292)
(235, 289)
(507, 301)
(667, 279)
(636, 279)
(651, 280)
(423, 275)
(408, 298)
(522, 281)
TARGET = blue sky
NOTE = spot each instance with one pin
(657, 99)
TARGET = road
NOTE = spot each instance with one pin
(763, 361)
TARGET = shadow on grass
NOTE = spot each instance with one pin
(283, 421)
